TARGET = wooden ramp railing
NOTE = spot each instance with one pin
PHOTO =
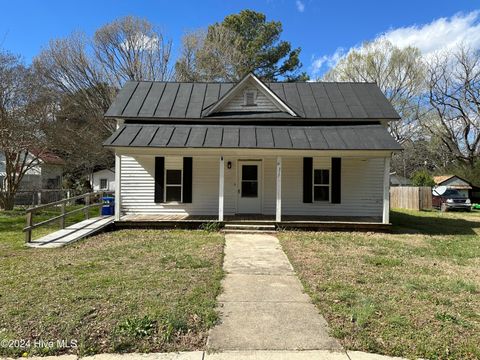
(90, 200)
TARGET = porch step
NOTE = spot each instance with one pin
(249, 228)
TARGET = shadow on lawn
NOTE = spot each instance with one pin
(431, 223)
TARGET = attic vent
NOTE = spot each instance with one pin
(250, 98)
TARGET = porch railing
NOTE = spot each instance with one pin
(90, 200)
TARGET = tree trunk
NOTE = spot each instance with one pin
(8, 201)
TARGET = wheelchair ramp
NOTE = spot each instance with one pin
(72, 233)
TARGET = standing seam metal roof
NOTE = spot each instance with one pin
(354, 137)
(310, 100)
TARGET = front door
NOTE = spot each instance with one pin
(249, 187)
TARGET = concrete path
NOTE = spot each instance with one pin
(263, 306)
(229, 355)
(72, 233)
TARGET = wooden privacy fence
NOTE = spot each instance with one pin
(411, 197)
(89, 200)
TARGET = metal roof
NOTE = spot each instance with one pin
(310, 100)
(355, 137)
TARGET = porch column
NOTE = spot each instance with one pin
(118, 179)
(386, 191)
(221, 183)
(278, 212)
(118, 182)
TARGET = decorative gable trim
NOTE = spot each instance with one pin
(261, 86)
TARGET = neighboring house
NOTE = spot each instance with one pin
(103, 180)
(457, 183)
(398, 180)
(300, 149)
(46, 172)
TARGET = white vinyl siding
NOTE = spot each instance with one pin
(138, 186)
(362, 186)
(237, 103)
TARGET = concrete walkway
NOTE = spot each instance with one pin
(229, 355)
(263, 306)
(72, 233)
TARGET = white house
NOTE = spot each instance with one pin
(281, 151)
(454, 182)
(46, 172)
(103, 180)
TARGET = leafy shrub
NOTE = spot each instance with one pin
(422, 178)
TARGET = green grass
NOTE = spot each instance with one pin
(123, 291)
(413, 293)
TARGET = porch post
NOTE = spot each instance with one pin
(118, 179)
(386, 191)
(118, 175)
(278, 212)
(221, 183)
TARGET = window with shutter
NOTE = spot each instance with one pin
(173, 185)
(321, 185)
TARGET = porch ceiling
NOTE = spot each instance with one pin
(354, 137)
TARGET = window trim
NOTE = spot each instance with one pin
(100, 184)
(329, 185)
(165, 185)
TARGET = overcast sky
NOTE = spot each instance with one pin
(325, 30)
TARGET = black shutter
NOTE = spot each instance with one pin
(187, 179)
(336, 180)
(307, 179)
(159, 178)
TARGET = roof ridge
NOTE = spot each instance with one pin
(265, 82)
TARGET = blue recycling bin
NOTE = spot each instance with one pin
(108, 207)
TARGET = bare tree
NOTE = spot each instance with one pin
(84, 75)
(400, 74)
(132, 49)
(23, 114)
(454, 94)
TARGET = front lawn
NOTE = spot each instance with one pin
(413, 293)
(123, 291)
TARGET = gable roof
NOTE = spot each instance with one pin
(250, 77)
(442, 178)
(177, 101)
(47, 157)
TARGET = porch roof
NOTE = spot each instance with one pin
(353, 137)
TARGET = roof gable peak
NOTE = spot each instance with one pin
(252, 79)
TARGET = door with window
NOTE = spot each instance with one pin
(249, 187)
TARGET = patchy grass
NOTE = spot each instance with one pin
(412, 293)
(124, 291)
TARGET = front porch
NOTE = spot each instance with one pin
(367, 223)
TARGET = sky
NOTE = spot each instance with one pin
(324, 30)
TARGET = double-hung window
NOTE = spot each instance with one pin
(321, 185)
(173, 185)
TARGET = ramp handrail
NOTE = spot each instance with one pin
(88, 198)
